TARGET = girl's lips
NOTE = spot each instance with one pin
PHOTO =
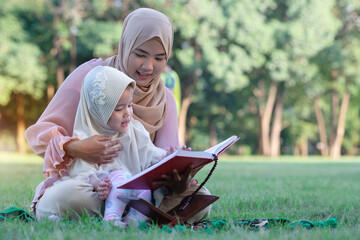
(124, 124)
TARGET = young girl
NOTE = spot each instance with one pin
(106, 108)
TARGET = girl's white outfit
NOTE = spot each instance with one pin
(102, 88)
(137, 155)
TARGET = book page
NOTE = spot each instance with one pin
(180, 160)
(218, 148)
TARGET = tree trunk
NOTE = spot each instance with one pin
(186, 92)
(20, 125)
(213, 133)
(334, 107)
(335, 150)
(354, 150)
(297, 150)
(60, 76)
(304, 147)
(1, 124)
(185, 103)
(73, 52)
(277, 122)
(265, 115)
(335, 115)
(322, 128)
(50, 92)
(56, 51)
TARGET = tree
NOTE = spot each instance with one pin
(339, 69)
(21, 72)
(211, 39)
(300, 30)
(35, 53)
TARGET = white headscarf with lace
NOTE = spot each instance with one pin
(101, 90)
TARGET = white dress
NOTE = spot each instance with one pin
(138, 154)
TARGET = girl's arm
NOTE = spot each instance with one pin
(54, 128)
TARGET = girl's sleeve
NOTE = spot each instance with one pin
(168, 135)
(55, 126)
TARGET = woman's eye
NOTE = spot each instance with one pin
(159, 59)
(117, 109)
(139, 55)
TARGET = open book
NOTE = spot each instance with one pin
(180, 160)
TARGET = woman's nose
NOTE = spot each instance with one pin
(148, 65)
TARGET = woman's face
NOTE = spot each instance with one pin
(146, 62)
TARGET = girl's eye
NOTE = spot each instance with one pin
(118, 109)
(159, 59)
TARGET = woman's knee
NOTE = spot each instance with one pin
(69, 198)
(170, 202)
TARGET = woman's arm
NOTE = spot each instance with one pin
(167, 136)
(54, 128)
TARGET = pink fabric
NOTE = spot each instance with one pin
(55, 126)
(114, 207)
(168, 134)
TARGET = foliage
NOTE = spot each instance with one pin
(222, 51)
(20, 67)
(98, 37)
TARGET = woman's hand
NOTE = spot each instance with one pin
(178, 183)
(95, 149)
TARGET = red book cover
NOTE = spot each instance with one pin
(179, 160)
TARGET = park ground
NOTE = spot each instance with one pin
(295, 188)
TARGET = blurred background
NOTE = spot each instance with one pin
(284, 75)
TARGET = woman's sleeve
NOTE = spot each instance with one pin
(55, 126)
(168, 134)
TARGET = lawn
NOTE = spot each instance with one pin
(314, 189)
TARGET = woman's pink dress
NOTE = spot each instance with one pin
(55, 126)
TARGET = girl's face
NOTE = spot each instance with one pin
(122, 114)
(146, 62)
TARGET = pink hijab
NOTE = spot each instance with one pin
(140, 26)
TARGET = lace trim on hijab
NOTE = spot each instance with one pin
(97, 95)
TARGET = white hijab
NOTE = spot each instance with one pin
(100, 92)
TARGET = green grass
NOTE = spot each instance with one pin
(311, 188)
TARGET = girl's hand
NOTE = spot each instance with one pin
(95, 149)
(103, 188)
(171, 150)
(186, 148)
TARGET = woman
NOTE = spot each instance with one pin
(144, 49)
